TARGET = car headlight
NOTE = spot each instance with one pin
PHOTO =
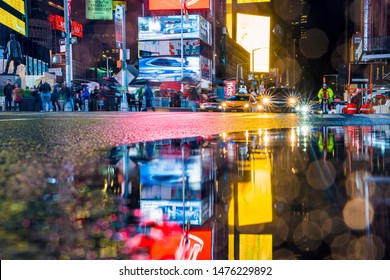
(266, 100)
(202, 106)
(219, 107)
(259, 107)
(304, 109)
(224, 104)
(246, 105)
(292, 101)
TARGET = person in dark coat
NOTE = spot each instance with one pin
(8, 88)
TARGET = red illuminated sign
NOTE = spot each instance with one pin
(58, 23)
(155, 5)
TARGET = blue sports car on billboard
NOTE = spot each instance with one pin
(187, 28)
(168, 68)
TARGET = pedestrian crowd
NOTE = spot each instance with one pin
(102, 97)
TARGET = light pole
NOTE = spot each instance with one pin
(253, 57)
(108, 71)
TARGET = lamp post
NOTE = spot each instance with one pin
(253, 58)
(107, 69)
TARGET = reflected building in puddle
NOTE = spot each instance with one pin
(302, 193)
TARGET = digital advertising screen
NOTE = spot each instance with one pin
(168, 68)
(12, 22)
(58, 23)
(16, 4)
(98, 9)
(248, 29)
(169, 47)
(158, 5)
(169, 27)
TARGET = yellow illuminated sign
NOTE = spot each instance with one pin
(12, 22)
(255, 247)
(255, 197)
(248, 29)
(16, 4)
(253, 207)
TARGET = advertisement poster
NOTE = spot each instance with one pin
(205, 68)
(98, 9)
(170, 47)
(12, 22)
(168, 27)
(168, 68)
(17, 4)
(58, 23)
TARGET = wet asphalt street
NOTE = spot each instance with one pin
(99, 129)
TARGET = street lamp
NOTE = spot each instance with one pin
(253, 57)
(108, 71)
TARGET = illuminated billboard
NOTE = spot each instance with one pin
(57, 23)
(16, 4)
(253, 34)
(158, 5)
(98, 9)
(168, 68)
(169, 47)
(169, 27)
(12, 22)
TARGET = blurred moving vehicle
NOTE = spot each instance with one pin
(279, 99)
(241, 102)
(212, 104)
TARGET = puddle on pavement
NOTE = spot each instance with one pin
(303, 193)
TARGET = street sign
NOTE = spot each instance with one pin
(55, 59)
(119, 13)
(51, 70)
(73, 40)
(119, 77)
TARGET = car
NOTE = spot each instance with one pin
(211, 104)
(279, 99)
(187, 28)
(240, 102)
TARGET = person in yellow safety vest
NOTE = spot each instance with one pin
(326, 144)
(325, 93)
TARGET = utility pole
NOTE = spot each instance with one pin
(124, 104)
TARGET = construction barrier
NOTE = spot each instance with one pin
(367, 109)
(351, 108)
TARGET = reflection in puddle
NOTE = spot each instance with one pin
(304, 193)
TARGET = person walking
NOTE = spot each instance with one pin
(140, 97)
(45, 90)
(148, 93)
(17, 95)
(325, 97)
(8, 88)
(37, 99)
(68, 98)
(193, 97)
(85, 97)
(55, 97)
